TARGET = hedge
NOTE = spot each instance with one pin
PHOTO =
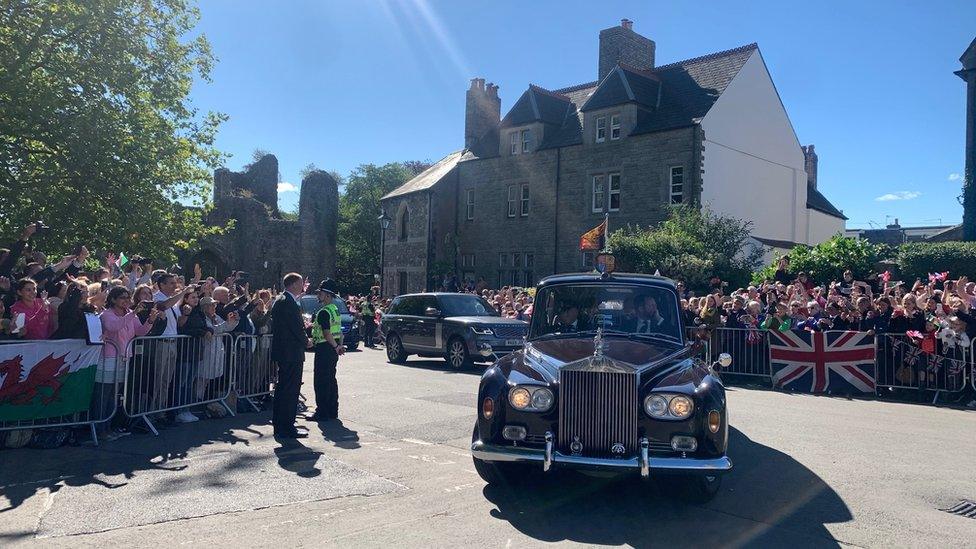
(917, 259)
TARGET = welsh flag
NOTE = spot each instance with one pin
(49, 379)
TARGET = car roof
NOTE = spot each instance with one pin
(434, 294)
(632, 278)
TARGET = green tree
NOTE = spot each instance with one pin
(97, 134)
(828, 260)
(358, 248)
(692, 244)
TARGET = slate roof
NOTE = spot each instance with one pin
(819, 202)
(537, 105)
(625, 85)
(688, 89)
(429, 177)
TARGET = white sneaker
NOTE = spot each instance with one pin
(186, 417)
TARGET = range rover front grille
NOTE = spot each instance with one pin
(598, 410)
(509, 331)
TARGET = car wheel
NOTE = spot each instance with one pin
(457, 354)
(394, 349)
(496, 474)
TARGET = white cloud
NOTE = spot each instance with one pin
(285, 187)
(899, 195)
(954, 177)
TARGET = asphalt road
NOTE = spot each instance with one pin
(809, 472)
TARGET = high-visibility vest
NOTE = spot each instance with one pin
(335, 324)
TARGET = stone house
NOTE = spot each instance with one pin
(263, 242)
(511, 206)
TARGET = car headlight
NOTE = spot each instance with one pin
(520, 398)
(668, 406)
(482, 330)
(542, 399)
(531, 398)
(656, 406)
(681, 407)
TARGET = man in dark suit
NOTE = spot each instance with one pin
(288, 351)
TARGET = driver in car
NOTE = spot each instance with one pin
(567, 318)
(648, 319)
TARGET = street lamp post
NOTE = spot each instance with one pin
(384, 225)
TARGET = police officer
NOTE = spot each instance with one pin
(369, 320)
(326, 341)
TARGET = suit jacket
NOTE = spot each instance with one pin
(288, 329)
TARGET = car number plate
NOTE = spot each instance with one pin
(513, 342)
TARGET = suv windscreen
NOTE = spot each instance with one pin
(569, 308)
(465, 305)
(310, 305)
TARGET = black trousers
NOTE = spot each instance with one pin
(286, 396)
(369, 328)
(326, 387)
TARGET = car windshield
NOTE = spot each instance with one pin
(635, 310)
(311, 305)
(465, 305)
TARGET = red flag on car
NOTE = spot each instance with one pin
(595, 238)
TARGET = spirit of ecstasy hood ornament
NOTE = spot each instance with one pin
(598, 346)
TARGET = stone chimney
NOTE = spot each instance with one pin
(482, 113)
(623, 45)
(810, 165)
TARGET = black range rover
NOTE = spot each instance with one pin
(462, 328)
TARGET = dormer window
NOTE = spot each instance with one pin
(615, 127)
(514, 148)
(601, 129)
(526, 140)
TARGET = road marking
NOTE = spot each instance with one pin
(416, 441)
(459, 487)
(430, 459)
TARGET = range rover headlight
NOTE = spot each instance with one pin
(482, 330)
(681, 406)
(656, 406)
(520, 398)
(542, 399)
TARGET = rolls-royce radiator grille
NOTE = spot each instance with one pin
(597, 413)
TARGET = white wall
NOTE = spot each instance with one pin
(822, 226)
(752, 160)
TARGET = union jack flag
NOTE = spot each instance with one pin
(815, 361)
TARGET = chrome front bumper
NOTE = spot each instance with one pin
(643, 462)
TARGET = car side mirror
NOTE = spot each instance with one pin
(724, 360)
(432, 312)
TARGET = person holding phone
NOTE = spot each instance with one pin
(71, 313)
(31, 314)
(120, 324)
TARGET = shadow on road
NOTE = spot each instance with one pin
(126, 458)
(339, 434)
(299, 459)
(769, 499)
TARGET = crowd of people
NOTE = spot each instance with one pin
(937, 309)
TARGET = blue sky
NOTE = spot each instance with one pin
(340, 84)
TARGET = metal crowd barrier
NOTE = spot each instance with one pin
(749, 349)
(168, 373)
(904, 365)
(254, 372)
(105, 395)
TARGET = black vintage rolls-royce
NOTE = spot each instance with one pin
(606, 381)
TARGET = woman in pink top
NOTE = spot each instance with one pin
(119, 326)
(37, 314)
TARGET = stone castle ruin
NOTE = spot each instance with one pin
(262, 242)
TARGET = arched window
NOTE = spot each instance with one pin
(404, 223)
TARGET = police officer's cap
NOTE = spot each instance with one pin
(328, 286)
